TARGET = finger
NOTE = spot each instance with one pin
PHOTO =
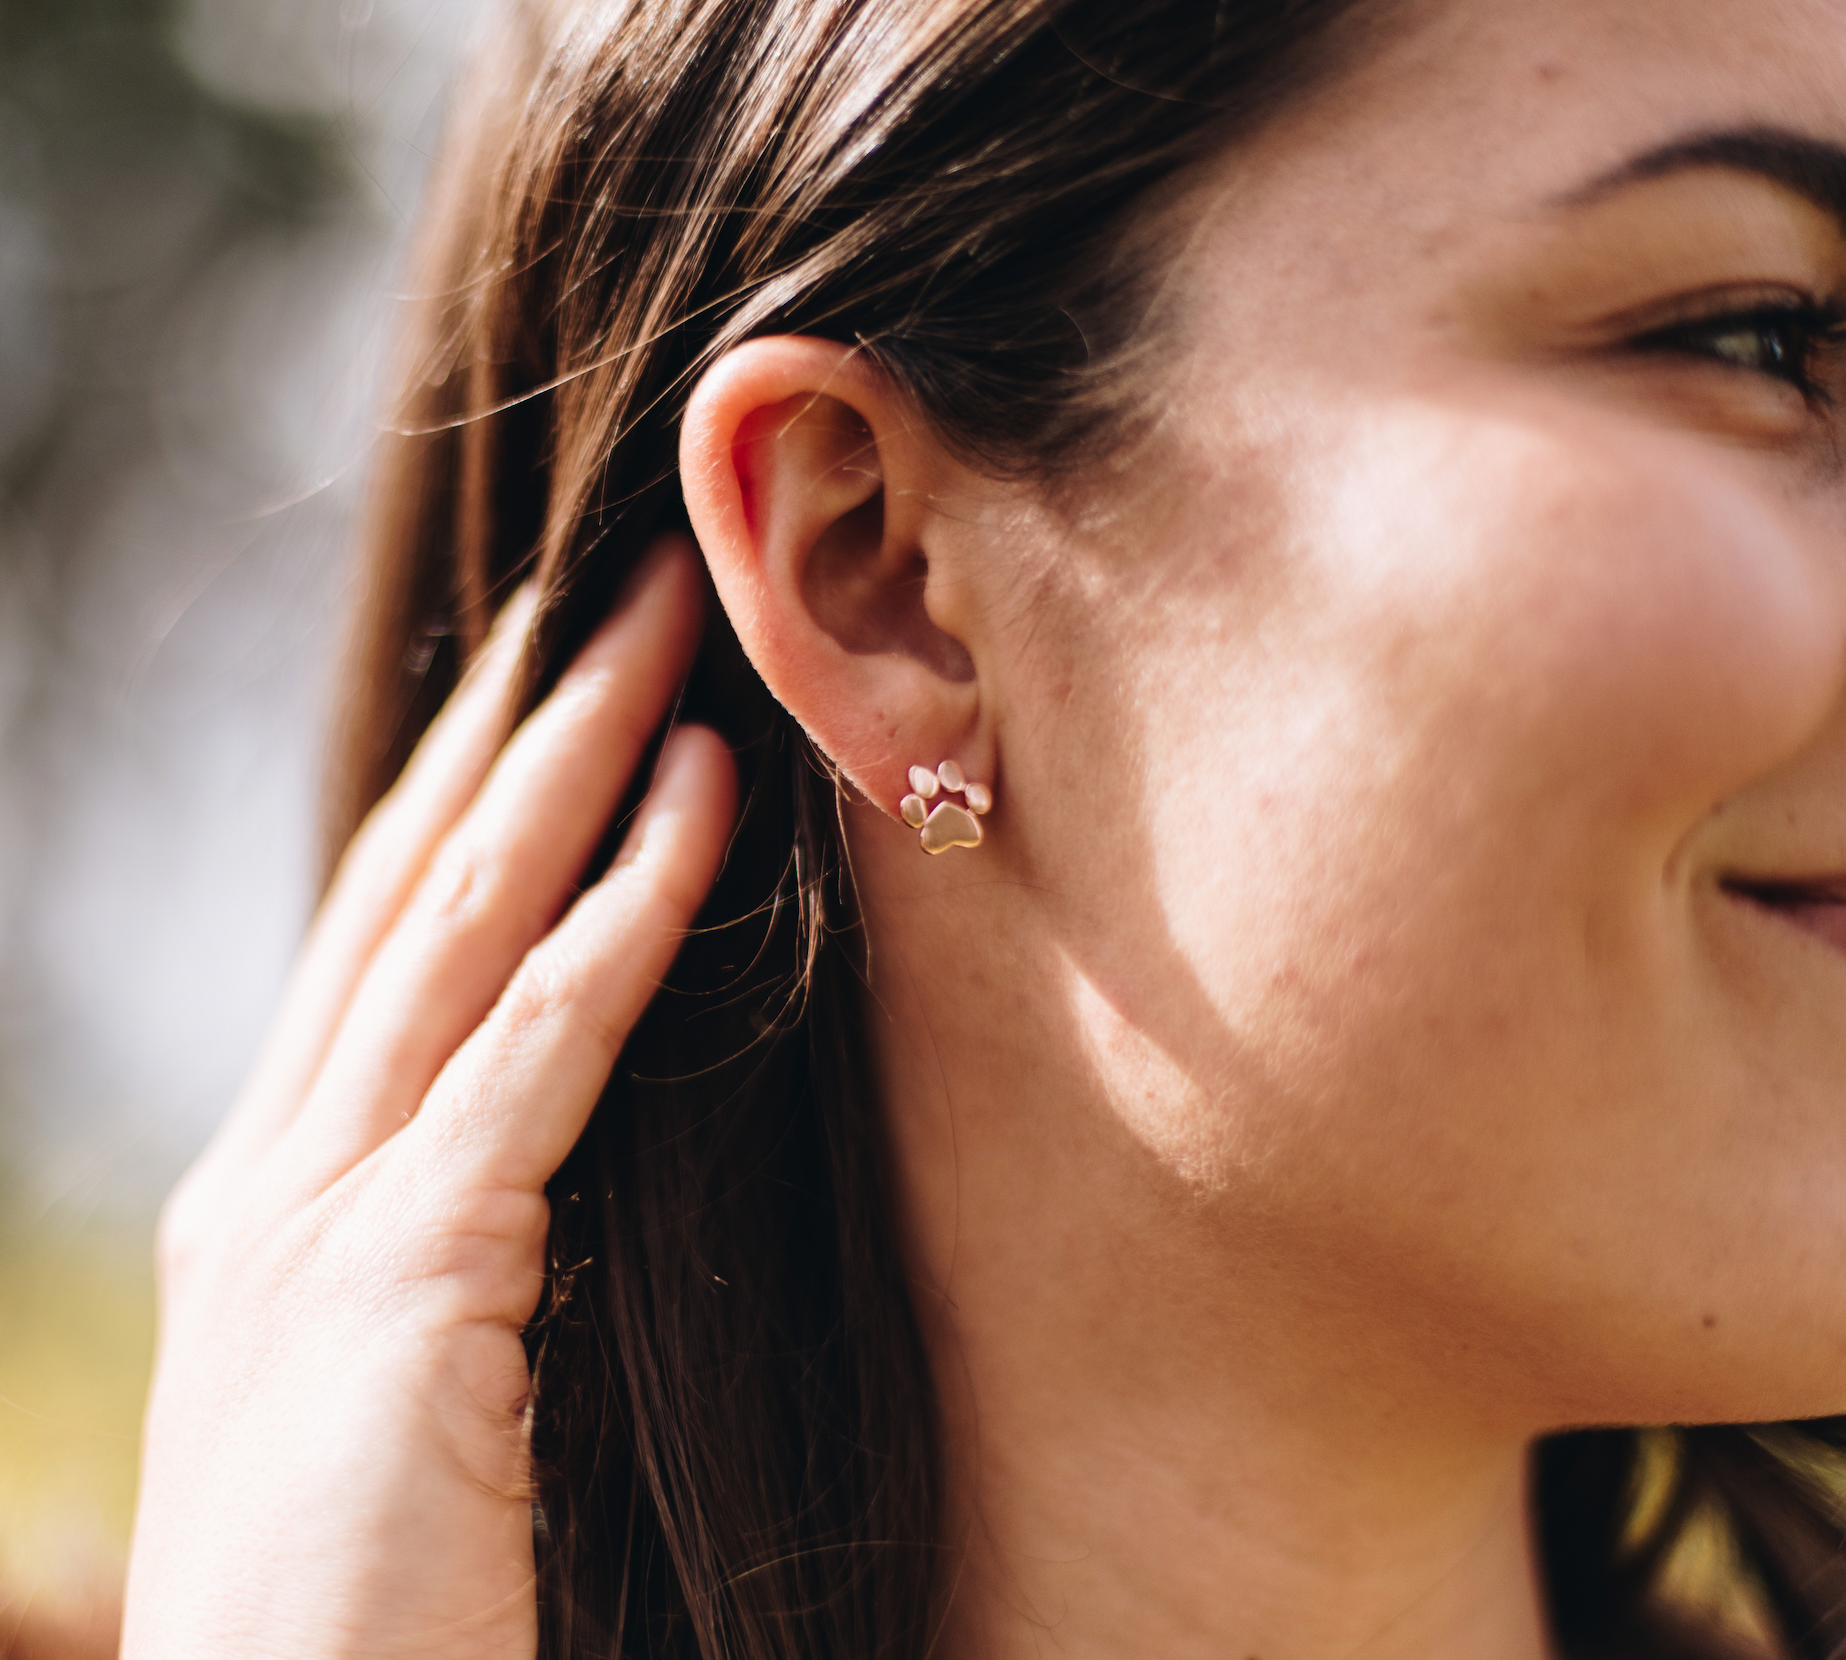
(376, 875)
(505, 872)
(516, 1095)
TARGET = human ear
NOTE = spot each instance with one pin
(810, 483)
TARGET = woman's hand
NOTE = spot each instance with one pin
(335, 1459)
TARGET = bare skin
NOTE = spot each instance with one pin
(1396, 1010)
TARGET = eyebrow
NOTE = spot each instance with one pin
(1811, 167)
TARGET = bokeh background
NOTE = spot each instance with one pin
(203, 210)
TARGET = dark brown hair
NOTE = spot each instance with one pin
(733, 1421)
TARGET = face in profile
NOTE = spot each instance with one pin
(1422, 754)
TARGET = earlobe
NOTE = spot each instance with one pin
(809, 483)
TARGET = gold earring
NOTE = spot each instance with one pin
(947, 825)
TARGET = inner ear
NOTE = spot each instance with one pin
(867, 593)
(817, 486)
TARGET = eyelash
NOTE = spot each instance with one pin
(1789, 336)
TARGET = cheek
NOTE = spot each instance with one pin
(1403, 785)
(1513, 663)
(1567, 616)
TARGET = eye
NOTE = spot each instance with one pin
(1789, 341)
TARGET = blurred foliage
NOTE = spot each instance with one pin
(121, 175)
(76, 1349)
(76, 1343)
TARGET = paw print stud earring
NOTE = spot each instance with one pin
(946, 825)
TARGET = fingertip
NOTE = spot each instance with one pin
(487, 671)
(697, 772)
(514, 618)
(672, 568)
(661, 603)
(498, 656)
(680, 840)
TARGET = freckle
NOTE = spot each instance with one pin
(1710, 1321)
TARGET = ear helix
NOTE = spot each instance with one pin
(947, 825)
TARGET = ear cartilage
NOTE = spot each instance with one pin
(947, 824)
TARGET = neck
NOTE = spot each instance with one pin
(1113, 1523)
(1160, 1437)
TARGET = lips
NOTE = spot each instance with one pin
(1817, 905)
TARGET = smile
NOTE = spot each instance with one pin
(1816, 904)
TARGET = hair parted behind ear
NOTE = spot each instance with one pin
(733, 1425)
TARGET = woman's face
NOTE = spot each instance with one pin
(1427, 768)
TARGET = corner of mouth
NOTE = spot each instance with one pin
(1814, 904)
(1787, 892)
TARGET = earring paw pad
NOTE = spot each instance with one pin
(950, 826)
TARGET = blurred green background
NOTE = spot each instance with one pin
(202, 207)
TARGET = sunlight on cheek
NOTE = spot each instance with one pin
(1590, 611)
(1154, 1096)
